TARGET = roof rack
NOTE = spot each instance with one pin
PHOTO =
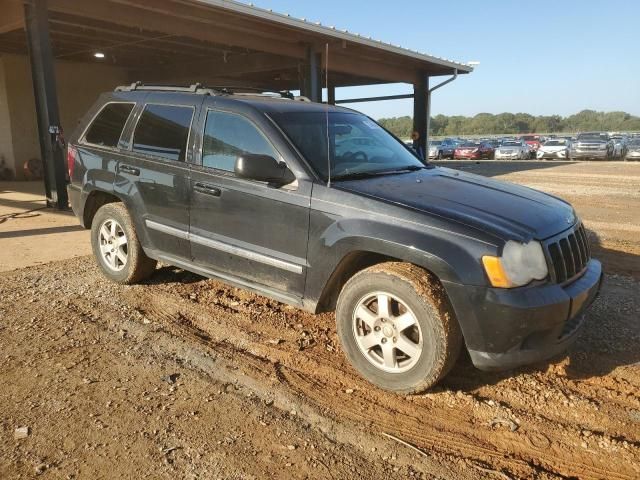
(194, 88)
(206, 90)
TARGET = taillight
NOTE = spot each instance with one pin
(72, 152)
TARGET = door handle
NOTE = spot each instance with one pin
(129, 169)
(207, 189)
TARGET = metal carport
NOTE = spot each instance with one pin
(215, 42)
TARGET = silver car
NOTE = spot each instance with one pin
(434, 148)
(512, 150)
(592, 146)
(633, 149)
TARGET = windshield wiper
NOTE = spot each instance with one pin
(377, 173)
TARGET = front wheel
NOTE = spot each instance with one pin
(116, 246)
(397, 328)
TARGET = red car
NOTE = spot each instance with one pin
(474, 151)
(533, 141)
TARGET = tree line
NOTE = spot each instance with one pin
(517, 123)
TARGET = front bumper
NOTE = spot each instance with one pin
(561, 154)
(467, 156)
(508, 328)
(589, 154)
(507, 156)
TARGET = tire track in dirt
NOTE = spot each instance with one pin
(455, 432)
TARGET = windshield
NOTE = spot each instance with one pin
(469, 145)
(511, 144)
(593, 136)
(555, 143)
(357, 145)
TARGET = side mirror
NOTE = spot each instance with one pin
(263, 168)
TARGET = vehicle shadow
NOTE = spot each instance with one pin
(607, 341)
(167, 274)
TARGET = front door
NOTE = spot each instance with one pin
(246, 229)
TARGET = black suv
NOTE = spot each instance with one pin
(320, 207)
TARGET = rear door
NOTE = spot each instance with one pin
(249, 230)
(155, 174)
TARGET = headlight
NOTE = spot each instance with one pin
(518, 265)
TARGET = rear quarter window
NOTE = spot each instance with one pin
(107, 126)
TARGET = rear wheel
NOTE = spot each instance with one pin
(397, 328)
(116, 246)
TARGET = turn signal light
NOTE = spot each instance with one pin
(495, 272)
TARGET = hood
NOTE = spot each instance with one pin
(553, 148)
(502, 209)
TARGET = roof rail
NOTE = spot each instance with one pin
(238, 89)
(194, 88)
(208, 90)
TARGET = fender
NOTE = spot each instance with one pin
(452, 260)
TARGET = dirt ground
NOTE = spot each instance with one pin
(183, 377)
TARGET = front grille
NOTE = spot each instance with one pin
(568, 254)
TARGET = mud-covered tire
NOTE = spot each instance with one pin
(136, 266)
(425, 297)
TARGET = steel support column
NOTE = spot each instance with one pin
(420, 112)
(45, 93)
(331, 95)
(312, 78)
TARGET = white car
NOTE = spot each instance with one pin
(554, 148)
(512, 150)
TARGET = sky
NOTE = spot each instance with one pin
(540, 57)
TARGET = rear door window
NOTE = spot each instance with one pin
(163, 131)
(227, 136)
(106, 128)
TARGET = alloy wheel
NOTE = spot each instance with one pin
(113, 245)
(387, 332)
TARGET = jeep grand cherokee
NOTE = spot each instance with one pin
(322, 208)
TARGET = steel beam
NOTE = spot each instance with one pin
(45, 93)
(420, 112)
(375, 99)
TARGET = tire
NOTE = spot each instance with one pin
(434, 335)
(440, 155)
(116, 247)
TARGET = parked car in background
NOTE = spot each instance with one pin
(447, 148)
(633, 149)
(619, 145)
(474, 151)
(512, 150)
(533, 142)
(557, 148)
(592, 146)
(434, 146)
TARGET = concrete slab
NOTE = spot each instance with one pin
(31, 234)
